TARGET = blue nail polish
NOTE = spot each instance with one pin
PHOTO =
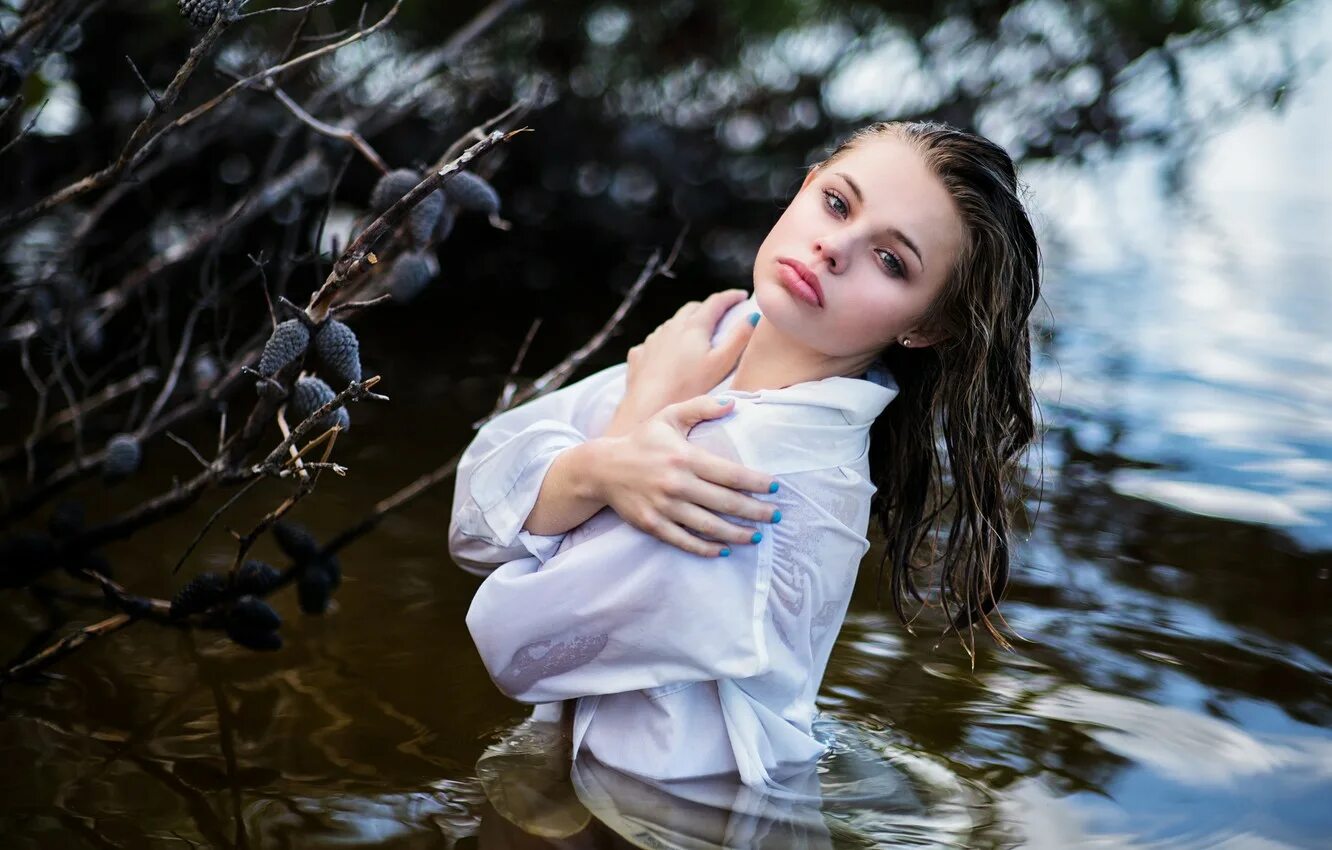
(725, 553)
(754, 319)
(773, 488)
(720, 400)
(758, 535)
(776, 516)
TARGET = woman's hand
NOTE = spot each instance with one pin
(677, 361)
(661, 484)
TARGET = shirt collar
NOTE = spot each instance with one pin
(812, 424)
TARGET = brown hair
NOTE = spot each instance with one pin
(972, 390)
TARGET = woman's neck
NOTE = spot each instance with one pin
(771, 361)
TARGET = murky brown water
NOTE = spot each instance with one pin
(1175, 589)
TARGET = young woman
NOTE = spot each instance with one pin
(678, 535)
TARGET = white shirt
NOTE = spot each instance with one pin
(682, 665)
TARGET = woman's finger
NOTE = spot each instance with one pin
(666, 530)
(724, 500)
(719, 470)
(705, 522)
(687, 309)
(716, 305)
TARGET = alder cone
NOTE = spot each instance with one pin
(471, 192)
(295, 541)
(391, 187)
(307, 396)
(123, 455)
(200, 13)
(410, 274)
(444, 226)
(199, 594)
(421, 222)
(315, 588)
(339, 350)
(256, 577)
(288, 341)
(254, 624)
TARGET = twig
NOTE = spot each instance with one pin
(548, 383)
(109, 393)
(157, 102)
(192, 450)
(186, 335)
(357, 257)
(307, 7)
(355, 139)
(212, 520)
(131, 154)
(66, 645)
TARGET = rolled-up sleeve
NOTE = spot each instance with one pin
(500, 473)
(622, 611)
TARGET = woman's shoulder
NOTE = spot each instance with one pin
(780, 436)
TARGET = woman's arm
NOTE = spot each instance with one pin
(657, 482)
(623, 611)
(501, 471)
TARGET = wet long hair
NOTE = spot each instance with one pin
(967, 398)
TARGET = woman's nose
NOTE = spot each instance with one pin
(831, 251)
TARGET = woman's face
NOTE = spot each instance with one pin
(879, 233)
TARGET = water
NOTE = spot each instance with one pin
(1174, 689)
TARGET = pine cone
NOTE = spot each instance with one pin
(200, 13)
(123, 456)
(314, 589)
(254, 624)
(331, 566)
(295, 541)
(288, 342)
(410, 274)
(307, 396)
(391, 187)
(471, 192)
(199, 594)
(256, 577)
(421, 221)
(340, 351)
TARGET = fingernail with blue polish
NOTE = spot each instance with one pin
(776, 516)
(754, 319)
(721, 400)
(758, 535)
(725, 553)
(773, 488)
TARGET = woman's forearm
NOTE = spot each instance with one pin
(570, 492)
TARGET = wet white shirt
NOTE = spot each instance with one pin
(681, 665)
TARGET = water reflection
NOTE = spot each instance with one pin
(1176, 585)
(866, 792)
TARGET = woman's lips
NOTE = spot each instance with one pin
(800, 280)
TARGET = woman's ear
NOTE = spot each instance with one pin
(921, 339)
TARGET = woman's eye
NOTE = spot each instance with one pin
(835, 203)
(892, 263)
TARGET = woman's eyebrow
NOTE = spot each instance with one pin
(892, 231)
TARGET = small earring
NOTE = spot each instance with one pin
(906, 342)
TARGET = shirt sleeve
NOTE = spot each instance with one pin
(500, 473)
(620, 611)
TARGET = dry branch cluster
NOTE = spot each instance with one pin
(58, 325)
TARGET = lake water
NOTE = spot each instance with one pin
(1173, 587)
